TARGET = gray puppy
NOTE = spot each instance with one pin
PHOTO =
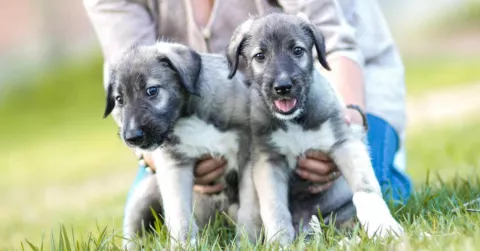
(294, 109)
(178, 103)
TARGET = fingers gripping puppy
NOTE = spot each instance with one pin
(294, 109)
(179, 104)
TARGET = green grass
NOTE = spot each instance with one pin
(428, 212)
(447, 150)
(56, 132)
(60, 163)
(444, 164)
(59, 160)
(425, 74)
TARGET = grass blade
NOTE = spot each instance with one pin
(31, 246)
(66, 240)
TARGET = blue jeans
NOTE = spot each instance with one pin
(384, 142)
(141, 174)
(383, 145)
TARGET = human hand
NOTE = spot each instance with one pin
(207, 170)
(317, 167)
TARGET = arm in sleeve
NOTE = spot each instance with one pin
(119, 24)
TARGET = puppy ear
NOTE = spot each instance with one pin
(320, 47)
(187, 63)
(235, 47)
(318, 40)
(110, 100)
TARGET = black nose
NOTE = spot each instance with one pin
(134, 136)
(283, 87)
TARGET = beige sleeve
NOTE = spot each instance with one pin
(120, 24)
(330, 18)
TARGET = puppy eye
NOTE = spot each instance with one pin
(298, 51)
(152, 91)
(119, 100)
(259, 57)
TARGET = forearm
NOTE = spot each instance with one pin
(347, 77)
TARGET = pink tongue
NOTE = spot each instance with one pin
(285, 105)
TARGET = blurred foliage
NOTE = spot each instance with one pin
(55, 127)
(70, 92)
(59, 159)
(448, 149)
(467, 16)
(433, 73)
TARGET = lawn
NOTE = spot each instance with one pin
(442, 67)
(59, 160)
(440, 72)
(61, 163)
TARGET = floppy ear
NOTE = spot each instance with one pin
(318, 40)
(235, 47)
(110, 100)
(187, 63)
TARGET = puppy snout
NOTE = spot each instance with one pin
(134, 136)
(283, 87)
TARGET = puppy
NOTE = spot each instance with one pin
(294, 109)
(179, 104)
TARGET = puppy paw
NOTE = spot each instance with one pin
(183, 244)
(183, 235)
(249, 224)
(129, 246)
(283, 235)
(375, 217)
(384, 228)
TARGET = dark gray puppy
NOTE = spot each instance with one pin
(179, 104)
(294, 109)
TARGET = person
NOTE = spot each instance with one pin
(366, 67)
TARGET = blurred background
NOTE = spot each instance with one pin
(60, 162)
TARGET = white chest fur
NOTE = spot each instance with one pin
(296, 142)
(198, 138)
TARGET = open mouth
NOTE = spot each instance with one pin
(285, 105)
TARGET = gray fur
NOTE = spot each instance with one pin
(138, 212)
(271, 47)
(193, 95)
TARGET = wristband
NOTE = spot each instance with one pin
(358, 109)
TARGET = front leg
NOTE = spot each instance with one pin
(352, 158)
(175, 181)
(248, 216)
(138, 214)
(270, 175)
